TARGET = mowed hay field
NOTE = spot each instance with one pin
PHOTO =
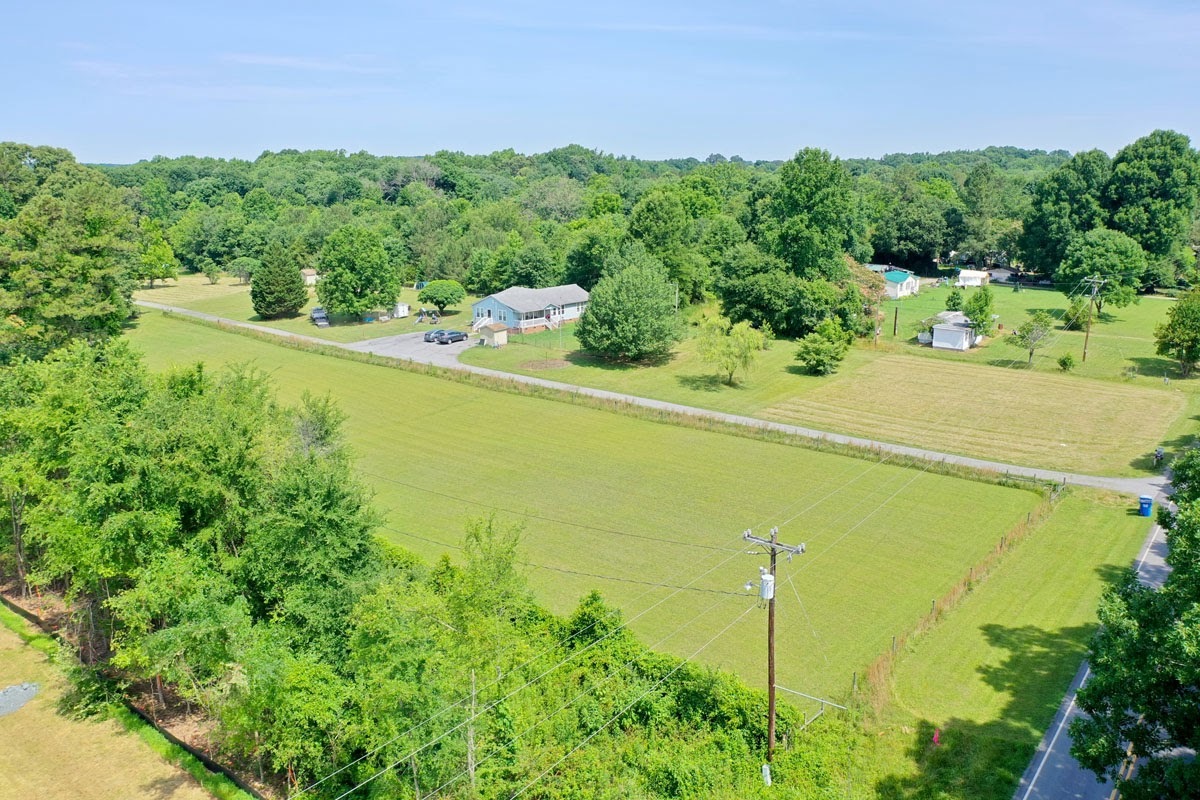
(51, 757)
(1030, 419)
(649, 513)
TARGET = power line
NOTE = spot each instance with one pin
(532, 515)
(617, 716)
(528, 683)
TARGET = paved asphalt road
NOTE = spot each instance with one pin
(1053, 773)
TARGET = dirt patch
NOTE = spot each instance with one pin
(546, 363)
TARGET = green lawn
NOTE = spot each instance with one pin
(1121, 346)
(231, 300)
(604, 494)
(992, 673)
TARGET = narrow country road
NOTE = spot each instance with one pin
(410, 347)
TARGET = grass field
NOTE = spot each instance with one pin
(1107, 417)
(231, 300)
(992, 673)
(1121, 346)
(904, 393)
(52, 757)
(636, 507)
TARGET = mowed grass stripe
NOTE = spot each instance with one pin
(1032, 419)
(992, 673)
(883, 539)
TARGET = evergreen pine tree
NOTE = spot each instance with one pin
(277, 289)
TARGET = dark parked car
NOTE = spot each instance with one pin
(319, 317)
(451, 336)
(432, 336)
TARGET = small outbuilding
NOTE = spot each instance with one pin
(310, 276)
(494, 334)
(525, 310)
(953, 332)
(900, 283)
(972, 277)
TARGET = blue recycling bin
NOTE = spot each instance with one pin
(1145, 505)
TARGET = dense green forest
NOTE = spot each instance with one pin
(215, 546)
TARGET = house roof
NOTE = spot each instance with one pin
(519, 298)
(952, 320)
(897, 276)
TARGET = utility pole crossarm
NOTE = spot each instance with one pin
(794, 549)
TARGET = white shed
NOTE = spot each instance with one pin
(954, 332)
(972, 277)
(310, 276)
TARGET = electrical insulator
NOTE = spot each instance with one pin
(766, 589)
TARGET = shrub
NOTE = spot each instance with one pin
(1066, 362)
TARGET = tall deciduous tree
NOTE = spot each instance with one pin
(1107, 254)
(278, 288)
(1065, 204)
(814, 217)
(1152, 193)
(156, 259)
(1179, 336)
(355, 274)
(630, 315)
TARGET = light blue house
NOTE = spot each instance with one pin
(901, 283)
(525, 310)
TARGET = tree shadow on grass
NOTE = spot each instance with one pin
(581, 358)
(1172, 448)
(985, 761)
(1156, 367)
(704, 383)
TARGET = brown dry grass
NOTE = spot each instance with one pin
(51, 757)
(1026, 418)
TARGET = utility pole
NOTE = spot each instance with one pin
(767, 592)
(1095, 282)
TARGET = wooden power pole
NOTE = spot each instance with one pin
(1095, 282)
(767, 592)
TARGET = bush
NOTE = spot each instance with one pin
(954, 300)
(442, 293)
(822, 350)
(1076, 316)
(1066, 362)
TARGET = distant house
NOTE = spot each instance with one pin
(525, 310)
(953, 332)
(972, 277)
(310, 277)
(900, 283)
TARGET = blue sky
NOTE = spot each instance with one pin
(118, 81)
